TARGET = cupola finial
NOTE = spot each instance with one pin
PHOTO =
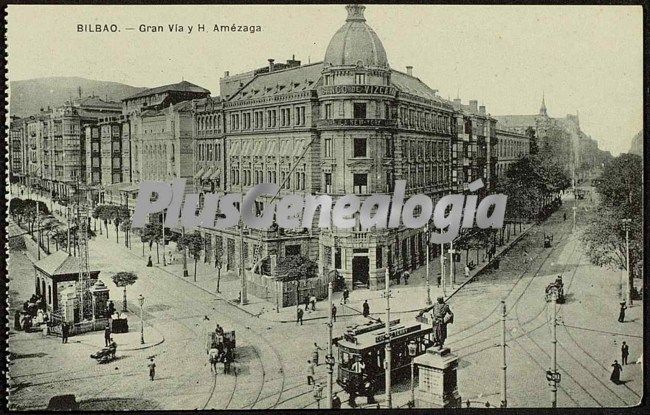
(355, 12)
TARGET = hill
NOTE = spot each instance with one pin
(637, 144)
(29, 96)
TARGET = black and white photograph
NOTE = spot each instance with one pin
(323, 206)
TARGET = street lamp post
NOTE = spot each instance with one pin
(428, 247)
(329, 359)
(552, 375)
(141, 301)
(628, 287)
(388, 357)
(412, 349)
(575, 208)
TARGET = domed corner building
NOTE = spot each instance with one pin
(349, 124)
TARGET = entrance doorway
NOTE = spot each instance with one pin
(360, 271)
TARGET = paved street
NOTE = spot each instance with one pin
(271, 355)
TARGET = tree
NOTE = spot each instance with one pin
(124, 279)
(193, 243)
(532, 138)
(105, 214)
(621, 197)
(151, 233)
(119, 214)
(296, 267)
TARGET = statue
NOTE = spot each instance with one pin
(441, 316)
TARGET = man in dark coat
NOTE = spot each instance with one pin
(333, 312)
(107, 335)
(64, 332)
(299, 314)
(625, 352)
(366, 308)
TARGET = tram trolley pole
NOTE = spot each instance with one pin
(387, 360)
(329, 359)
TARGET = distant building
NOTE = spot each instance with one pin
(511, 146)
(475, 148)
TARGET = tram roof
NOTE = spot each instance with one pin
(377, 336)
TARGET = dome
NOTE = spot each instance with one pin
(355, 42)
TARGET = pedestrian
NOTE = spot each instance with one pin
(466, 271)
(336, 401)
(299, 314)
(149, 264)
(564, 216)
(625, 352)
(107, 335)
(152, 368)
(227, 359)
(306, 302)
(621, 314)
(64, 332)
(406, 276)
(111, 308)
(366, 308)
(112, 346)
(312, 301)
(314, 354)
(219, 330)
(17, 320)
(213, 356)
(616, 373)
(346, 294)
(333, 312)
(310, 373)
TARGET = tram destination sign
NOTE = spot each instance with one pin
(358, 89)
(400, 331)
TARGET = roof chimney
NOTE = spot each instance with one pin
(409, 70)
(226, 74)
(271, 65)
(481, 110)
(473, 105)
(457, 102)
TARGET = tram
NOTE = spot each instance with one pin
(361, 354)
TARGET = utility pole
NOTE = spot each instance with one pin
(504, 399)
(329, 359)
(555, 379)
(428, 246)
(452, 275)
(442, 268)
(628, 287)
(242, 274)
(387, 360)
(163, 238)
(38, 231)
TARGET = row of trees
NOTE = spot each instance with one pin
(620, 191)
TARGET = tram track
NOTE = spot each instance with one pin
(509, 292)
(515, 304)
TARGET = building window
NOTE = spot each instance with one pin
(360, 147)
(328, 147)
(359, 110)
(327, 80)
(328, 111)
(292, 250)
(359, 79)
(360, 183)
(328, 183)
(300, 116)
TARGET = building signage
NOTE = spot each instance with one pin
(358, 89)
(395, 333)
(358, 122)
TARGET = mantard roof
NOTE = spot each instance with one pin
(183, 86)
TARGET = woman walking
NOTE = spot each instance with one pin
(616, 373)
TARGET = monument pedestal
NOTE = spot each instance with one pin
(437, 380)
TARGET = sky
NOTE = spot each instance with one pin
(586, 59)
